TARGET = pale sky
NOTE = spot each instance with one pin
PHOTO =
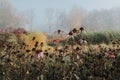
(39, 7)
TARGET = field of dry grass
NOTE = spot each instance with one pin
(78, 57)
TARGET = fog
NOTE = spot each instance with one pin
(95, 20)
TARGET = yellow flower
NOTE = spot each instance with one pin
(36, 40)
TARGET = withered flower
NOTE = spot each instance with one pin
(118, 46)
(9, 47)
(34, 65)
(20, 55)
(59, 31)
(36, 45)
(33, 38)
(14, 52)
(23, 44)
(71, 33)
(36, 42)
(46, 53)
(51, 56)
(49, 48)
(113, 43)
(1, 57)
(27, 50)
(8, 60)
(60, 50)
(18, 51)
(81, 29)
(74, 30)
(77, 48)
(62, 61)
(66, 47)
(31, 56)
(33, 49)
(41, 44)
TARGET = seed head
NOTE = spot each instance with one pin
(33, 49)
(27, 50)
(74, 30)
(81, 28)
(59, 31)
(71, 33)
(8, 60)
(33, 38)
(20, 55)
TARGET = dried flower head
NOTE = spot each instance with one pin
(41, 44)
(62, 61)
(81, 29)
(71, 33)
(23, 44)
(33, 49)
(8, 60)
(77, 49)
(33, 38)
(59, 31)
(46, 53)
(18, 51)
(28, 50)
(36, 45)
(34, 65)
(74, 30)
(20, 55)
(36, 42)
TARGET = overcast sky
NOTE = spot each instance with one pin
(39, 7)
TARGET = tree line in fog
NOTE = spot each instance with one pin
(95, 20)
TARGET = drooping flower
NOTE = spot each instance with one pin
(71, 33)
(59, 31)
(81, 29)
(74, 30)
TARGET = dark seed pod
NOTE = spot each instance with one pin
(36, 42)
(8, 60)
(51, 56)
(62, 61)
(23, 44)
(20, 55)
(70, 33)
(33, 38)
(113, 42)
(33, 49)
(28, 50)
(77, 48)
(81, 28)
(18, 51)
(46, 53)
(36, 45)
(74, 30)
(59, 31)
(41, 44)
(34, 65)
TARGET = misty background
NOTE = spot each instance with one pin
(14, 13)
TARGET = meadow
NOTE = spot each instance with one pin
(80, 56)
